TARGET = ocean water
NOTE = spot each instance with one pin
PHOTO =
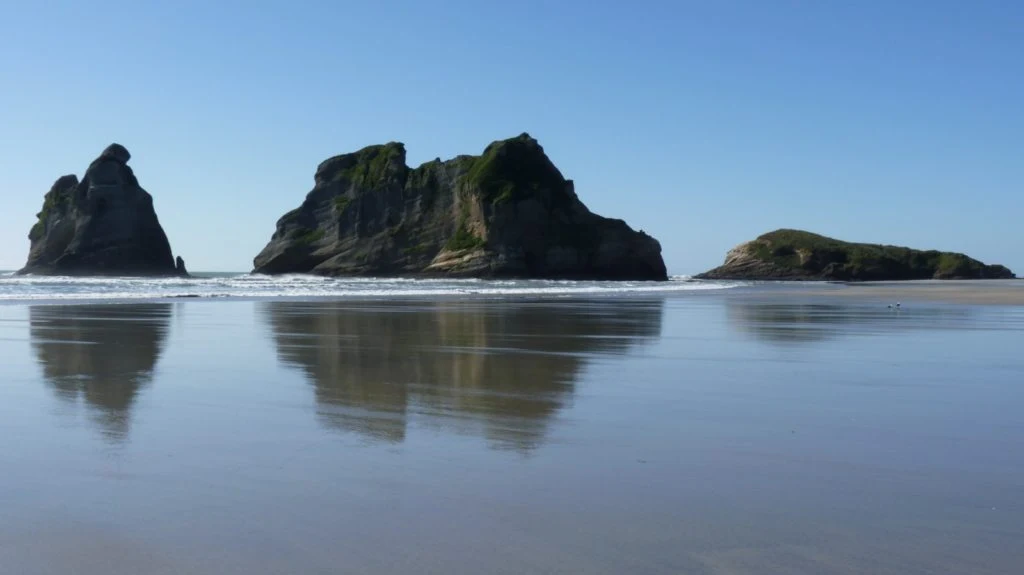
(14, 289)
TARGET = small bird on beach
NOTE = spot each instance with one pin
(896, 306)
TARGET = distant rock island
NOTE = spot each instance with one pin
(103, 225)
(506, 213)
(799, 255)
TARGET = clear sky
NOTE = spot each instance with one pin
(703, 123)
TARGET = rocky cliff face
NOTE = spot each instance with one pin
(799, 255)
(506, 213)
(102, 225)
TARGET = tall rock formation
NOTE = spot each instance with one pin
(506, 213)
(102, 225)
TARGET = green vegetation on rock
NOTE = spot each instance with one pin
(416, 249)
(405, 215)
(37, 231)
(464, 239)
(796, 254)
(305, 236)
(291, 216)
(424, 176)
(369, 167)
(56, 200)
(52, 201)
(509, 169)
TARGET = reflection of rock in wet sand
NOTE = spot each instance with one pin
(101, 354)
(504, 368)
(785, 322)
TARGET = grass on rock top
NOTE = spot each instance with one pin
(507, 170)
(373, 164)
(511, 167)
(857, 260)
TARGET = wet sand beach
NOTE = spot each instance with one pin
(776, 430)
(978, 292)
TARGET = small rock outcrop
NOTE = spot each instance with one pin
(799, 255)
(102, 225)
(506, 213)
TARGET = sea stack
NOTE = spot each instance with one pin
(799, 255)
(103, 225)
(508, 212)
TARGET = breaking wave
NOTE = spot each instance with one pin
(36, 288)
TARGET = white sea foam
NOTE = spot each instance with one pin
(37, 288)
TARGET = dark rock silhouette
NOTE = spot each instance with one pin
(104, 224)
(506, 213)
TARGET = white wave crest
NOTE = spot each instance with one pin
(38, 288)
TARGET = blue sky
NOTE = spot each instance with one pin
(703, 123)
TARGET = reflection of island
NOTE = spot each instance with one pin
(101, 354)
(505, 368)
(788, 322)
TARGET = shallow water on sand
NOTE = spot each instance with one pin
(709, 433)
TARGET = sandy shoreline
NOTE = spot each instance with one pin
(990, 292)
(737, 431)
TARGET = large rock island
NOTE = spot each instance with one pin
(506, 213)
(103, 225)
(800, 255)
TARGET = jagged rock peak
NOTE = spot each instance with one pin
(103, 224)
